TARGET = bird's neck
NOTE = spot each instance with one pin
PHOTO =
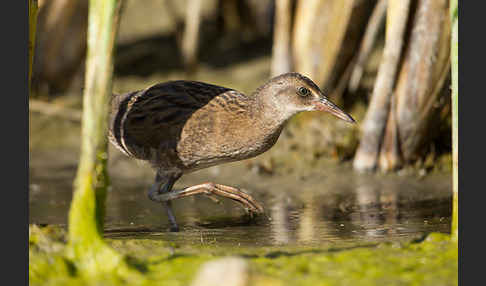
(265, 121)
(268, 111)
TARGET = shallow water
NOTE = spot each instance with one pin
(326, 206)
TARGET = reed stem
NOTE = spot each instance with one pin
(454, 14)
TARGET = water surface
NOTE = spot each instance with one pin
(330, 205)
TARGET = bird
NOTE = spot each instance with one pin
(182, 126)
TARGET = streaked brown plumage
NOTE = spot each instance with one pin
(184, 126)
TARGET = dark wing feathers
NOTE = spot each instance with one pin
(155, 116)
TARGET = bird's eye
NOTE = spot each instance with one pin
(304, 91)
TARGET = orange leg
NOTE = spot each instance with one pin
(211, 190)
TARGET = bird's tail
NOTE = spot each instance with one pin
(118, 110)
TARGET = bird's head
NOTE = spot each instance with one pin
(292, 93)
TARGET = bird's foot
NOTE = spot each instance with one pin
(173, 224)
(212, 190)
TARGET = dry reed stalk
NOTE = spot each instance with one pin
(190, 36)
(374, 123)
(377, 19)
(61, 41)
(420, 79)
(281, 52)
(319, 29)
(32, 30)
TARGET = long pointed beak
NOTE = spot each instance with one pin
(325, 105)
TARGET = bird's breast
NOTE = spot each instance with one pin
(208, 139)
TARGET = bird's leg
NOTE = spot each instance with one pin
(157, 189)
(211, 189)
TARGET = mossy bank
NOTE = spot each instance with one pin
(429, 261)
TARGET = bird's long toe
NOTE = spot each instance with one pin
(212, 190)
(246, 200)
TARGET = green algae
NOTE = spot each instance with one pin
(432, 261)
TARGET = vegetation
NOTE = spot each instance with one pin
(86, 246)
(408, 99)
(454, 14)
(32, 26)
